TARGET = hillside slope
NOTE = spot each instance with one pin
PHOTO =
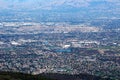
(22, 76)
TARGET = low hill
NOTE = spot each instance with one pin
(73, 77)
(20, 76)
(44, 76)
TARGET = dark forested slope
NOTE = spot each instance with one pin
(22, 76)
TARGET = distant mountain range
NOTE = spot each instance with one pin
(85, 8)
